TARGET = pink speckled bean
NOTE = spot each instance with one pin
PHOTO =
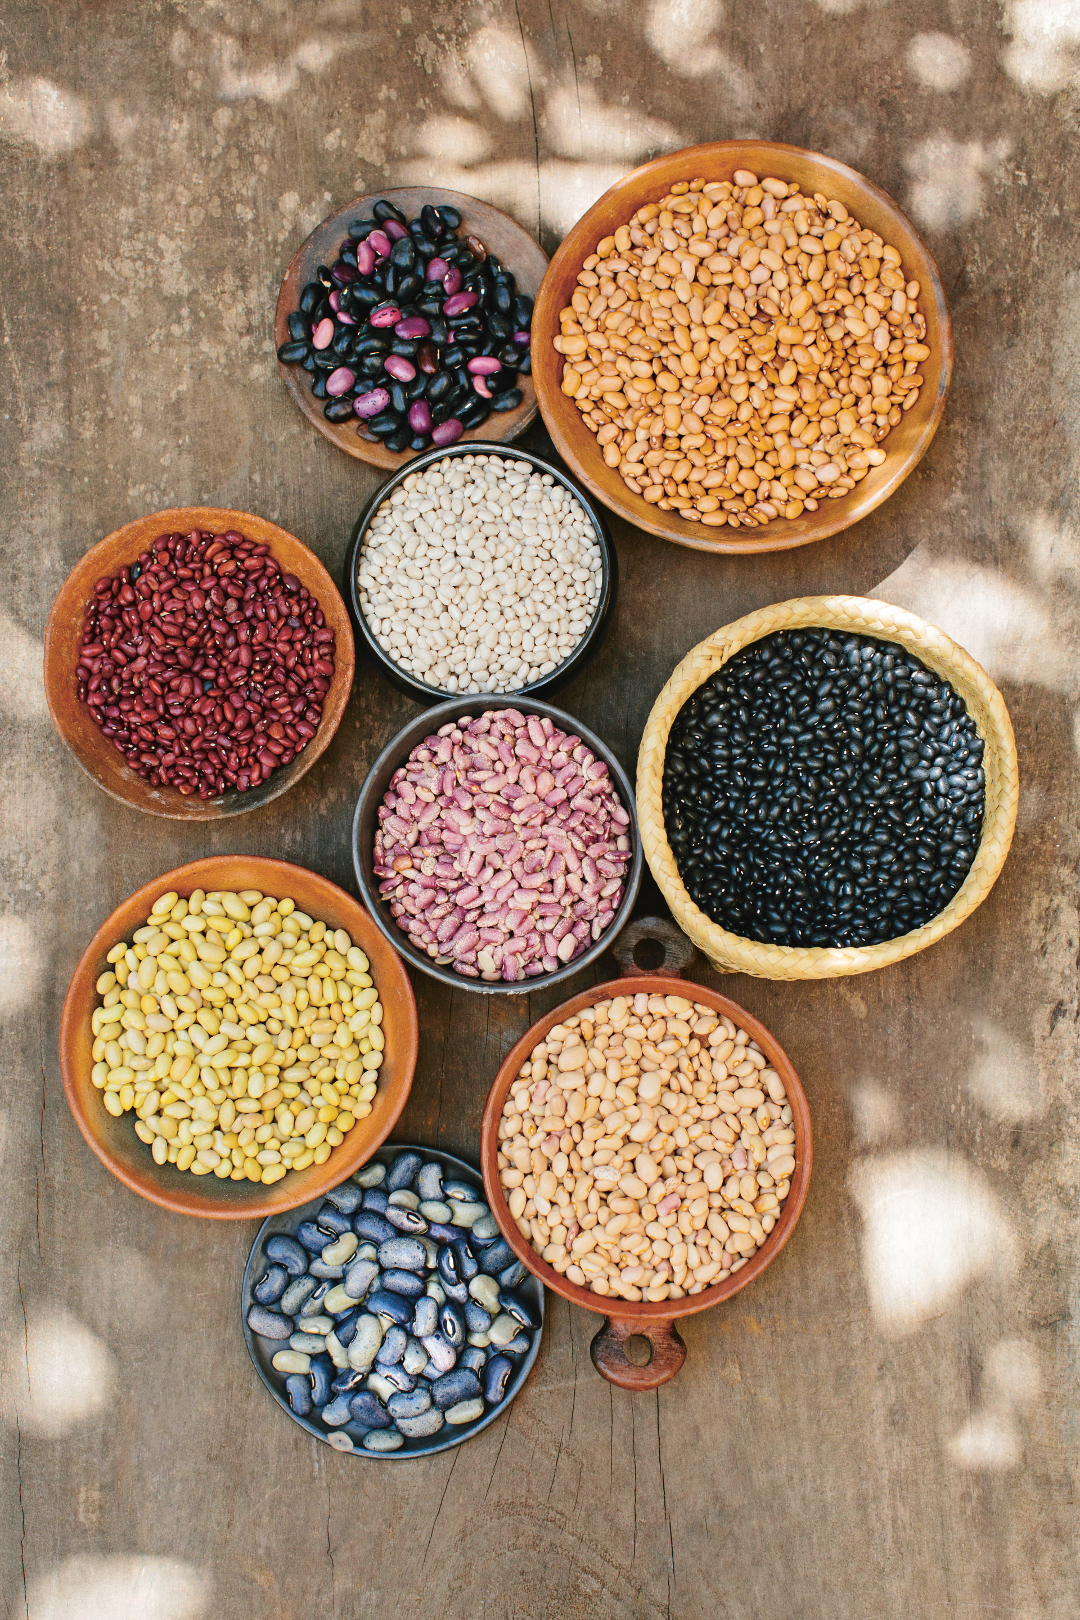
(484, 872)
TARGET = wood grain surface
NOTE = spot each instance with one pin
(884, 1426)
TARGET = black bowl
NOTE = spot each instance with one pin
(365, 822)
(262, 1351)
(598, 624)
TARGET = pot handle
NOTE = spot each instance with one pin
(678, 950)
(608, 1352)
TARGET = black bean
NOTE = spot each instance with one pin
(292, 351)
(361, 229)
(420, 441)
(399, 400)
(323, 274)
(386, 422)
(409, 287)
(384, 210)
(523, 308)
(471, 416)
(433, 225)
(399, 440)
(311, 295)
(508, 401)
(318, 387)
(449, 216)
(299, 327)
(795, 820)
(439, 386)
(503, 298)
(403, 253)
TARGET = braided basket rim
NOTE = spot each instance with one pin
(864, 616)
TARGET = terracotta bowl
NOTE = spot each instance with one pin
(114, 1140)
(515, 249)
(718, 160)
(626, 1318)
(63, 641)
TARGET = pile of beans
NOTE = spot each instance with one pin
(399, 1302)
(741, 350)
(479, 576)
(419, 335)
(246, 1036)
(502, 846)
(823, 789)
(204, 664)
(646, 1148)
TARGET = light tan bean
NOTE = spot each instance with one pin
(679, 1200)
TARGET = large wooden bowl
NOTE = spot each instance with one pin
(114, 1140)
(627, 1318)
(515, 249)
(63, 642)
(718, 160)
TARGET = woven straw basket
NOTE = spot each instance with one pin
(733, 954)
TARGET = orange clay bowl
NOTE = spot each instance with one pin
(63, 642)
(114, 1140)
(718, 160)
(626, 1318)
(516, 251)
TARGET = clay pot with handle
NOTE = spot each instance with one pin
(626, 1319)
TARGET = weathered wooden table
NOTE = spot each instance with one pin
(884, 1425)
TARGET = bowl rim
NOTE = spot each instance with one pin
(555, 408)
(441, 196)
(87, 969)
(396, 751)
(472, 1174)
(596, 627)
(610, 1306)
(884, 622)
(76, 591)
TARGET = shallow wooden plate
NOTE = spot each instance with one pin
(114, 1140)
(515, 249)
(63, 642)
(718, 160)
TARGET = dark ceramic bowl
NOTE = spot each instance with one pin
(262, 1351)
(598, 624)
(365, 822)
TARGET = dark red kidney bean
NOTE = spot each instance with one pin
(212, 743)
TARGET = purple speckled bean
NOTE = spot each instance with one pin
(384, 315)
(451, 281)
(447, 432)
(394, 230)
(413, 326)
(340, 381)
(372, 403)
(522, 338)
(320, 338)
(484, 365)
(365, 259)
(436, 269)
(400, 369)
(380, 242)
(481, 387)
(458, 303)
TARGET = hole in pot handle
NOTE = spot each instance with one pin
(653, 945)
(608, 1351)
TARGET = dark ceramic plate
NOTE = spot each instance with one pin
(365, 819)
(598, 624)
(262, 1351)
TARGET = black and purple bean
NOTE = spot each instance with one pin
(416, 334)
